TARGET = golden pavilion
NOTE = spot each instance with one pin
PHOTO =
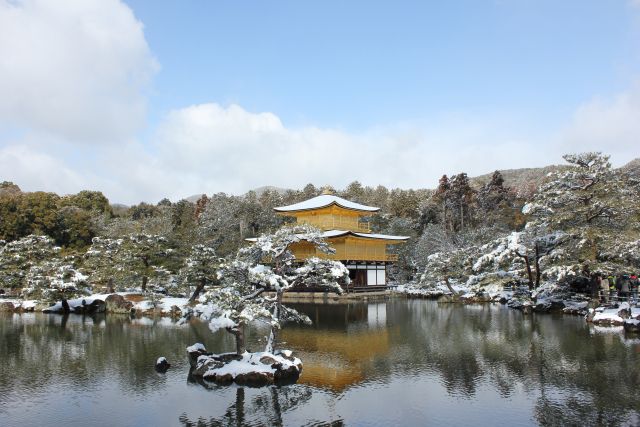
(362, 252)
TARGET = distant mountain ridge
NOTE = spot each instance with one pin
(632, 168)
(260, 190)
(525, 181)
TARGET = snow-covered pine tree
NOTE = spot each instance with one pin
(124, 263)
(267, 266)
(17, 258)
(35, 264)
(591, 202)
(200, 269)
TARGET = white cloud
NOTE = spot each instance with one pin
(608, 125)
(73, 74)
(74, 68)
(210, 148)
(35, 170)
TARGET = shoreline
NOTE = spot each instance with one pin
(134, 305)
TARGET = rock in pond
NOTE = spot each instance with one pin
(96, 306)
(632, 326)
(250, 369)
(117, 304)
(6, 306)
(162, 365)
(612, 315)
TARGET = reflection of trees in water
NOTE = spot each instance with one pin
(266, 408)
(333, 316)
(574, 375)
(233, 416)
(80, 351)
(569, 373)
(551, 358)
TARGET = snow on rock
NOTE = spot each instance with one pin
(222, 322)
(162, 365)
(632, 325)
(252, 369)
(614, 315)
(98, 303)
(79, 305)
(196, 347)
(17, 305)
(575, 307)
(164, 305)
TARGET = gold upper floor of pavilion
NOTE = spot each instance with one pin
(341, 221)
(329, 212)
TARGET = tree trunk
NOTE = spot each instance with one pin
(145, 261)
(537, 265)
(238, 333)
(446, 281)
(198, 290)
(273, 334)
(461, 216)
(444, 215)
(110, 288)
(528, 264)
(65, 306)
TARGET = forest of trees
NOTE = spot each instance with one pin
(85, 239)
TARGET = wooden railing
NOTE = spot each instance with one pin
(339, 224)
(351, 257)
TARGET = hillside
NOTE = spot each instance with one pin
(633, 168)
(525, 181)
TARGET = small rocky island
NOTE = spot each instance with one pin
(250, 369)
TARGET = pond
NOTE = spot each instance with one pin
(400, 362)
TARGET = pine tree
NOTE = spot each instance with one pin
(200, 268)
(268, 266)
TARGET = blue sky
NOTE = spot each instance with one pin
(360, 64)
(142, 99)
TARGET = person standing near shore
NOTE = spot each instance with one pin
(604, 286)
(624, 287)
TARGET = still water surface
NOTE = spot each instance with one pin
(402, 362)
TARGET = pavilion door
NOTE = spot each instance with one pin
(361, 278)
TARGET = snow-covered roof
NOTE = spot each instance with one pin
(323, 201)
(339, 233)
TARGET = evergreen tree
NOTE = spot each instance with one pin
(442, 195)
(268, 265)
(200, 269)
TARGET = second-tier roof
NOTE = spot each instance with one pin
(324, 201)
(341, 233)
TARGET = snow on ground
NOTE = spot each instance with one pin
(163, 304)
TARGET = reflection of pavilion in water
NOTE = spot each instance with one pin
(341, 345)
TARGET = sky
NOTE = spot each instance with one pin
(150, 99)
